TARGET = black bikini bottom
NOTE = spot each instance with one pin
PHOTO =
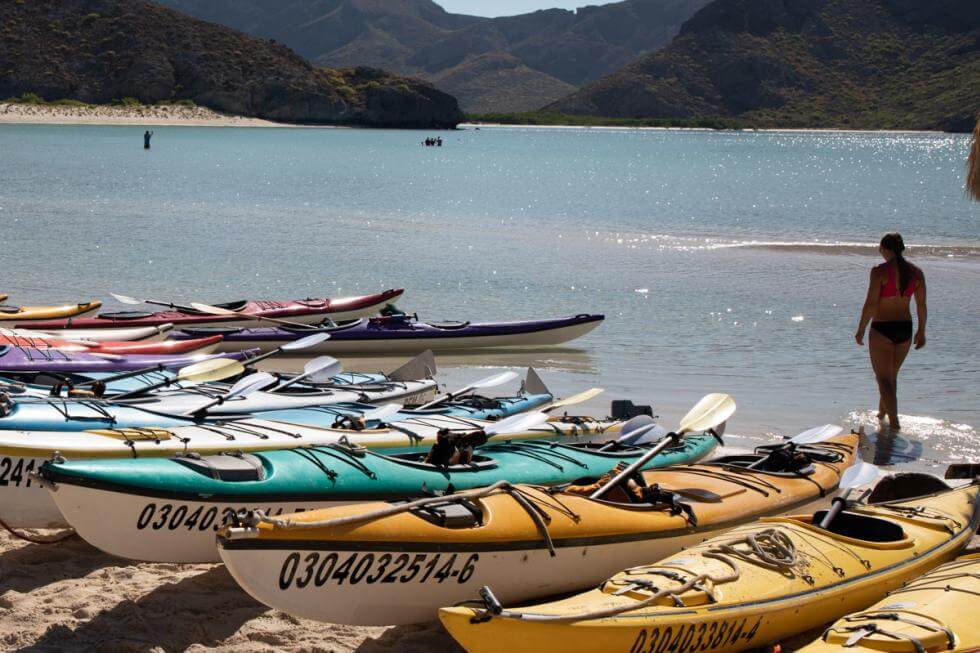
(898, 331)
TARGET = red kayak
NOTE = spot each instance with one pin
(305, 311)
(171, 347)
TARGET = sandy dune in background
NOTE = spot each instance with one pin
(113, 115)
(71, 596)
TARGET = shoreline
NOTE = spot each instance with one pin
(149, 115)
(821, 130)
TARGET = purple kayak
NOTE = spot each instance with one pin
(26, 359)
(401, 334)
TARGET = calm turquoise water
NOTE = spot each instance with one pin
(734, 262)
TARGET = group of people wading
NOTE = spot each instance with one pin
(433, 142)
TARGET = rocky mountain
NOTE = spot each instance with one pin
(98, 51)
(512, 63)
(807, 63)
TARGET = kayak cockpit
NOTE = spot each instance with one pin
(232, 467)
(857, 526)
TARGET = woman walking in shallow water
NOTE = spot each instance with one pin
(893, 285)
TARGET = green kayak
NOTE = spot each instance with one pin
(167, 509)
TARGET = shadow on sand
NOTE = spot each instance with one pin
(416, 638)
(202, 609)
(31, 566)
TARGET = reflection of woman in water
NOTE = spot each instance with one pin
(887, 307)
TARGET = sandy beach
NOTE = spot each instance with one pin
(151, 115)
(71, 596)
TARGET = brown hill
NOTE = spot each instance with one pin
(507, 63)
(103, 50)
(807, 63)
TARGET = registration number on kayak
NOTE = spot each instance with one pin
(167, 516)
(14, 472)
(695, 637)
(318, 570)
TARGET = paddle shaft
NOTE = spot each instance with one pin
(836, 507)
(122, 375)
(176, 307)
(671, 438)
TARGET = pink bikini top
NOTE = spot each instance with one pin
(890, 287)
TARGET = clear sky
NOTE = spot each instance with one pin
(511, 7)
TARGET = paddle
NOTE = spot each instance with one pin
(217, 310)
(810, 436)
(321, 368)
(295, 345)
(243, 388)
(713, 409)
(133, 301)
(381, 413)
(516, 423)
(214, 369)
(860, 473)
(585, 395)
(635, 432)
(487, 382)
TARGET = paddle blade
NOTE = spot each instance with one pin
(211, 310)
(250, 384)
(817, 434)
(712, 410)
(382, 413)
(579, 398)
(516, 423)
(305, 342)
(215, 369)
(492, 381)
(321, 369)
(640, 430)
(858, 474)
(126, 299)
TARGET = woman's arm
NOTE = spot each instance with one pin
(870, 304)
(920, 311)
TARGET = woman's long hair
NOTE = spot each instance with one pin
(894, 242)
(973, 165)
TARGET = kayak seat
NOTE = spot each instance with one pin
(770, 466)
(862, 527)
(126, 315)
(9, 309)
(906, 485)
(329, 328)
(417, 460)
(225, 467)
(204, 332)
(452, 514)
(449, 325)
(234, 306)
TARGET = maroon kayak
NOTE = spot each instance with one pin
(305, 311)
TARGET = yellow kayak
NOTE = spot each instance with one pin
(26, 314)
(527, 541)
(752, 586)
(931, 613)
(3, 297)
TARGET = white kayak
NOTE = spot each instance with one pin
(128, 334)
(26, 503)
(183, 401)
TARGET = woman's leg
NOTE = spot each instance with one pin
(898, 357)
(882, 362)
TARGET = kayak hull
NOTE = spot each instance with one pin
(25, 503)
(149, 521)
(28, 315)
(591, 539)
(382, 336)
(23, 359)
(761, 606)
(122, 334)
(303, 311)
(119, 348)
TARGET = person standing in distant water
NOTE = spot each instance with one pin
(146, 139)
(887, 308)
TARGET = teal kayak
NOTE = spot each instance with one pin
(167, 509)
